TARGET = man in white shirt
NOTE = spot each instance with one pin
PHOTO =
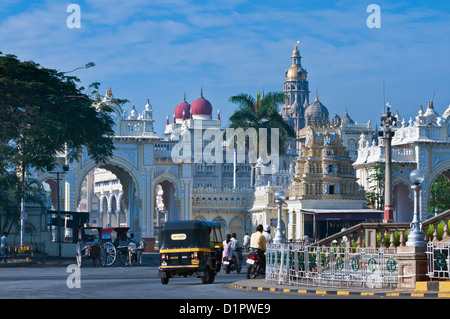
(267, 234)
(235, 245)
(4, 245)
(246, 241)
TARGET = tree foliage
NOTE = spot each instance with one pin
(44, 112)
(262, 112)
(375, 195)
(440, 195)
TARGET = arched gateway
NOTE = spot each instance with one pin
(155, 186)
(140, 161)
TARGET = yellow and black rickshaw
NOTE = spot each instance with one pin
(190, 247)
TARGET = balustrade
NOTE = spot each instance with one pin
(365, 234)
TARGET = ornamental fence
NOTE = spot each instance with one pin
(332, 266)
(438, 260)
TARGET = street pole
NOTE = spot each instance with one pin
(65, 169)
(279, 199)
(388, 120)
(22, 220)
(388, 208)
(58, 213)
(22, 207)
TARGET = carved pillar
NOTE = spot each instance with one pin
(412, 266)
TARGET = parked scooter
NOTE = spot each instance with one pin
(255, 265)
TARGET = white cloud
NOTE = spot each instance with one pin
(167, 47)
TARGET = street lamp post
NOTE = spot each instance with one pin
(279, 199)
(58, 208)
(387, 121)
(415, 236)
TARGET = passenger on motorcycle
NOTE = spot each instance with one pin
(236, 246)
(227, 249)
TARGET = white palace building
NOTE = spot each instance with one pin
(324, 172)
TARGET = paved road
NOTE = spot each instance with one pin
(118, 282)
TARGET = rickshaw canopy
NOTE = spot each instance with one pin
(89, 234)
(190, 234)
(121, 232)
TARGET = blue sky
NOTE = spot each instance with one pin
(159, 49)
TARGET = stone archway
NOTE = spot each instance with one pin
(441, 169)
(439, 193)
(237, 226)
(73, 184)
(167, 206)
(403, 211)
(222, 223)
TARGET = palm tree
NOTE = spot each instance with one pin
(261, 113)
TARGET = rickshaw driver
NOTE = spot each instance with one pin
(133, 239)
(258, 243)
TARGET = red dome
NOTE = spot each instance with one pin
(183, 106)
(201, 106)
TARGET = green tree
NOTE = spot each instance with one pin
(375, 195)
(262, 112)
(440, 194)
(43, 112)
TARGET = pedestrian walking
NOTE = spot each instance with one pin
(4, 246)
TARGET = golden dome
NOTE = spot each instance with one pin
(295, 71)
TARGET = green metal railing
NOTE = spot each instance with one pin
(331, 266)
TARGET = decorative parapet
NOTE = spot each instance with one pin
(239, 198)
(370, 231)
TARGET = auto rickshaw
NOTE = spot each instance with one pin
(190, 247)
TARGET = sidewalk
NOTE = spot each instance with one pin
(423, 290)
(37, 259)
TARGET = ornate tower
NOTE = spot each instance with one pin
(297, 94)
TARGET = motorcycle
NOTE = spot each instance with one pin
(230, 264)
(255, 265)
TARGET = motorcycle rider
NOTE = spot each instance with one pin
(258, 244)
(236, 246)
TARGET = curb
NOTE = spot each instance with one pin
(17, 264)
(440, 287)
(350, 293)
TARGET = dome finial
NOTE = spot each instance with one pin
(317, 94)
(147, 105)
(201, 91)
